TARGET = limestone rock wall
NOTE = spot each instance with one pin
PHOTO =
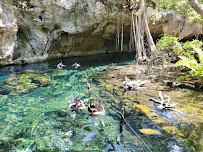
(171, 23)
(41, 29)
(8, 32)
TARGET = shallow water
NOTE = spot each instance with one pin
(35, 119)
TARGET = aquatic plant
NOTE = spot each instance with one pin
(23, 82)
(3, 99)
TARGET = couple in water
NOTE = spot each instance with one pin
(93, 109)
(61, 65)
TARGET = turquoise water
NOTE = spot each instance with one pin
(35, 118)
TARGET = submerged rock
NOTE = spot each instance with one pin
(150, 131)
(23, 82)
(172, 130)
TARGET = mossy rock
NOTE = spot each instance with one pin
(43, 80)
(30, 72)
(158, 120)
(23, 82)
(150, 131)
(170, 129)
(155, 118)
(25, 76)
(27, 80)
(145, 109)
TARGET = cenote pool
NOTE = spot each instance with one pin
(33, 115)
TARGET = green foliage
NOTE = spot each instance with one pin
(193, 62)
(189, 46)
(180, 6)
(169, 43)
(113, 5)
(169, 48)
(6, 5)
(190, 54)
(81, 6)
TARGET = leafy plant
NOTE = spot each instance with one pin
(169, 47)
(193, 62)
(169, 43)
(113, 5)
(180, 6)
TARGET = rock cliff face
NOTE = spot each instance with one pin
(41, 29)
(8, 32)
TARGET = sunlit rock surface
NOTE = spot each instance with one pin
(150, 131)
(187, 114)
(40, 30)
(8, 32)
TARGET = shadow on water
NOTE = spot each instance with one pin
(85, 61)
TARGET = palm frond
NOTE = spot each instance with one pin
(187, 62)
(200, 54)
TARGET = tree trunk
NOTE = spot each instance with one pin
(118, 34)
(139, 20)
(149, 39)
(138, 37)
(132, 35)
(197, 6)
(142, 30)
(122, 34)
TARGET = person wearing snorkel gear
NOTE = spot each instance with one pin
(76, 65)
(93, 109)
(60, 65)
(78, 105)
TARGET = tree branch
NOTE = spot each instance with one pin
(197, 6)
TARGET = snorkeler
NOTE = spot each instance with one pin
(77, 105)
(93, 109)
(76, 65)
(60, 65)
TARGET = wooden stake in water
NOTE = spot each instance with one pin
(120, 136)
(88, 85)
(122, 121)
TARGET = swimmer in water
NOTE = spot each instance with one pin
(76, 65)
(77, 106)
(93, 109)
(60, 65)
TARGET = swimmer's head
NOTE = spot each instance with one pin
(77, 99)
(93, 105)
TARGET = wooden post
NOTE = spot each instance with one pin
(88, 85)
(122, 120)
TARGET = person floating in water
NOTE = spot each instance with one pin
(60, 65)
(77, 106)
(93, 109)
(76, 65)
